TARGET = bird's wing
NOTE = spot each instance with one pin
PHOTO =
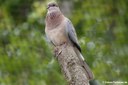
(73, 37)
(72, 34)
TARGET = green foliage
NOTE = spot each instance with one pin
(26, 57)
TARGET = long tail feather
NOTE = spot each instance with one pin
(86, 67)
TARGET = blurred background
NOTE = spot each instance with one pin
(27, 59)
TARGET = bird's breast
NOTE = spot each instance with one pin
(58, 35)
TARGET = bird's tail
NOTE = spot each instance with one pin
(83, 63)
(88, 72)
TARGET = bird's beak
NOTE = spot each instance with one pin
(48, 7)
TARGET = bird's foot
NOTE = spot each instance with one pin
(57, 52)
(64, 44)
(58, 49)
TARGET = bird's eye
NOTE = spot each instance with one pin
(53, 5)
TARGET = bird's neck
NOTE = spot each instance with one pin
(54, 19)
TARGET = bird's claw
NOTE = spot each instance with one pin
(57, 52)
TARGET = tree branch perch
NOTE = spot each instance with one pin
(70, 65)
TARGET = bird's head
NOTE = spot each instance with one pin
(53, 7)
(54, 15)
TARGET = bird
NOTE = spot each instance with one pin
(59, 31)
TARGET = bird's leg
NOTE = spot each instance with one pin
(57, 51)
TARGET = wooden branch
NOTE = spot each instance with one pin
(70, 65)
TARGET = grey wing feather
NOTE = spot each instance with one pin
(73, 37)
(72, 34)
(47, 39)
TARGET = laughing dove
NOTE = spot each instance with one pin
(59, 30)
